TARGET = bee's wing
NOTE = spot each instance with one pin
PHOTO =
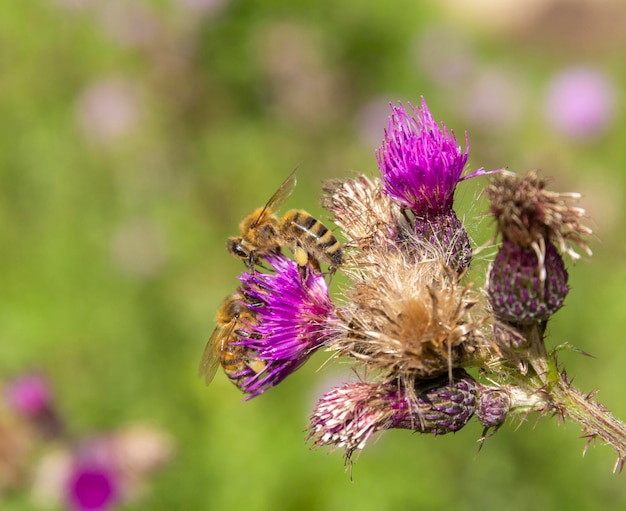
(280, 196)
(211, 355)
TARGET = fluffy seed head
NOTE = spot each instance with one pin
(408, 320)
(527, 213)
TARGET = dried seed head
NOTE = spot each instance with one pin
(366, 216)
(408, 320)
(521, 288)
(348, 416)
(370, 221)
(527, 213)
(493, 406)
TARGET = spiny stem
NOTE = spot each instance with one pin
(595, 419)
(569, 402)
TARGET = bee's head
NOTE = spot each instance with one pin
(235, 247)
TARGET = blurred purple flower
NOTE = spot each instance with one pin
(29, 394)
(495, 99)
(445, 54)
(370, 117)
(580, 102)
(108, 109)
(131, 24)
(91, 486)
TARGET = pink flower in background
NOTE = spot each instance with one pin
(108, 109)
(444, 54)
(91, 486)
(202, 6)
(101, 472)
(371, 116)
(580, 102)
(29, 394)
(495, 99)
(129, 24)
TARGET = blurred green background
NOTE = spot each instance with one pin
(135, 135)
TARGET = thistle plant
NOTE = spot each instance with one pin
(432, 348)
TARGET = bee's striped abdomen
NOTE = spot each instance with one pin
(303, 229)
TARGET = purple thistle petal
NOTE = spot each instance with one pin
(292, 320)
(420, 161)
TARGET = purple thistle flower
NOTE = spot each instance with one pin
(421, 162)
(293, 315)
(92, 486)
(420, 165)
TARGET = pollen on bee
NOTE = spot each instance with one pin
(301, 256)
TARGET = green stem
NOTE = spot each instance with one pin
(595, 419)
(569, 402)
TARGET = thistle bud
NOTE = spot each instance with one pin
(348, 416)
(444, 406)
(492, 407)
(523, 289)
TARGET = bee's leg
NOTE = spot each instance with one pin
(314, 264)
(331, 271)
(256, 365)
(301, 256)
(250, 262)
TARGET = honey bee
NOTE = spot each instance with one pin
(262, 232)
(222, 347)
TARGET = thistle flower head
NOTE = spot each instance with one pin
(524, 288)
(527, 213)
(348, 416)
(420, 161)
(293, 313)
(408, 320)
